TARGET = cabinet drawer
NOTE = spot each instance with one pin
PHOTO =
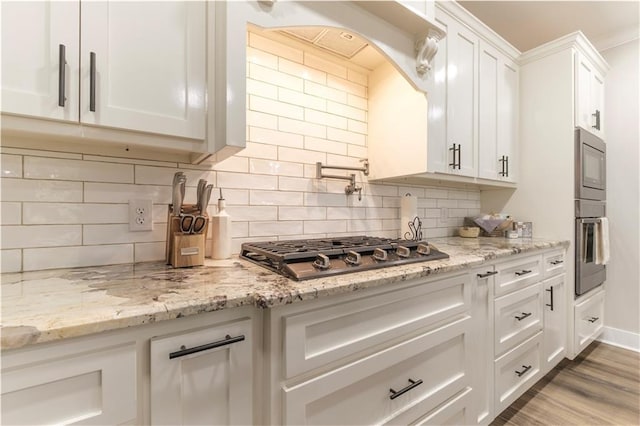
(361, 392)
(316, 338)
(553, 263)
(453, 412)
(518, 274)
(94, 387)
(589, 320)
(517, 316)
(517, 371)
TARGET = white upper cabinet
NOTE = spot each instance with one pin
(37, 39)
(498, 115)
(452, 112)
(149, 66)
(589, 90)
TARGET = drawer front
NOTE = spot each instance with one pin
(362, 392)
(316, 338)
(589, 320)
(553, 263)
(517, 371)
(518, 274)
(97, 387)
(517, 316)
(453, 412)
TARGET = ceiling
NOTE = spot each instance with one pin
(528, 24)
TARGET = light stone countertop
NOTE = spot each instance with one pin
(44, 306)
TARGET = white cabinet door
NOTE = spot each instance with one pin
(452, 110)
(555, 322)
(149, 66)
(588, 320)
(589, 92)
(209, 386)
(497, 115)
(34, 82)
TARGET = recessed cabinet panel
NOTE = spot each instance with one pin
(508, 102)
(518, 316)
(589, 93)
(588, 320)
(488, 113)
(149, 65)
(555, 321)
(37, 39)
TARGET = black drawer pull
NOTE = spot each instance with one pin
(526, 368)
(412, 384)
(523, 272)
(593, 319)
(488, 274)
(556, 262)
(523, 316)
(62, 67)
(550, 290)
(227, 341)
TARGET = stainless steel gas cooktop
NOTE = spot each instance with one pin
(321, 257)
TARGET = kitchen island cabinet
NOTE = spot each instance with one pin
(311, 349)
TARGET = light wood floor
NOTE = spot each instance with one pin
(600, 387)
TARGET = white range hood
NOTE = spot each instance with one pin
(405, 37)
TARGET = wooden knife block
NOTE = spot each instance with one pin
(184, 250)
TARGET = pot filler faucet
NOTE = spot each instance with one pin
(352, 186)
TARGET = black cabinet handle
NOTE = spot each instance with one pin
(501, 161)
(556, 262)
(456, 149)
(453, 150)
(523, 272)
(488, 274)
(597, 116)
(92, 81)
(507, 160)
(226, 341)
(550, 290)
(526, 368)
(459, 156)
(412, 384)
(523, 316)
(62, 67)
(593, 319)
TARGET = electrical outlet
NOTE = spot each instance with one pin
(140, 215)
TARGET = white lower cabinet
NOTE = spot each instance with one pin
(516, 371)
(518, 316)
(588, 320)
(203, 376)
(396, 385)
(92, 384)
(555, 321)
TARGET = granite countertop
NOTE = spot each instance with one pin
(44, 306)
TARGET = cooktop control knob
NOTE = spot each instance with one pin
(353, 258)
(322, 262)
(380, 254)
(403, 251)
(423, 249)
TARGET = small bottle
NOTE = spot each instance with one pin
(221, 232)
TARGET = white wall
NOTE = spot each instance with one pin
(622, 307)
(63, 209)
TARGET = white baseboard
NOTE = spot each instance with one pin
(621, 338)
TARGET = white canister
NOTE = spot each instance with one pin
(221, 232)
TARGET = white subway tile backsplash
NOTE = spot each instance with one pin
(324, 145)
(302, 213)
(275, 198)
(330, 67)
(304, 72)
(301, 128)
(80, 170)
(11, 166)
(11, 213)
(323, 226)
(149, 252)
(120, 193)
(301, 99)
(281, 109)
(11, 261)
(258, 42)
(40, 190)
(40, 236)
(280, 168)
(302, 108)
(274, 228)
(245, 181)
(69, 257)
(346, 136)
